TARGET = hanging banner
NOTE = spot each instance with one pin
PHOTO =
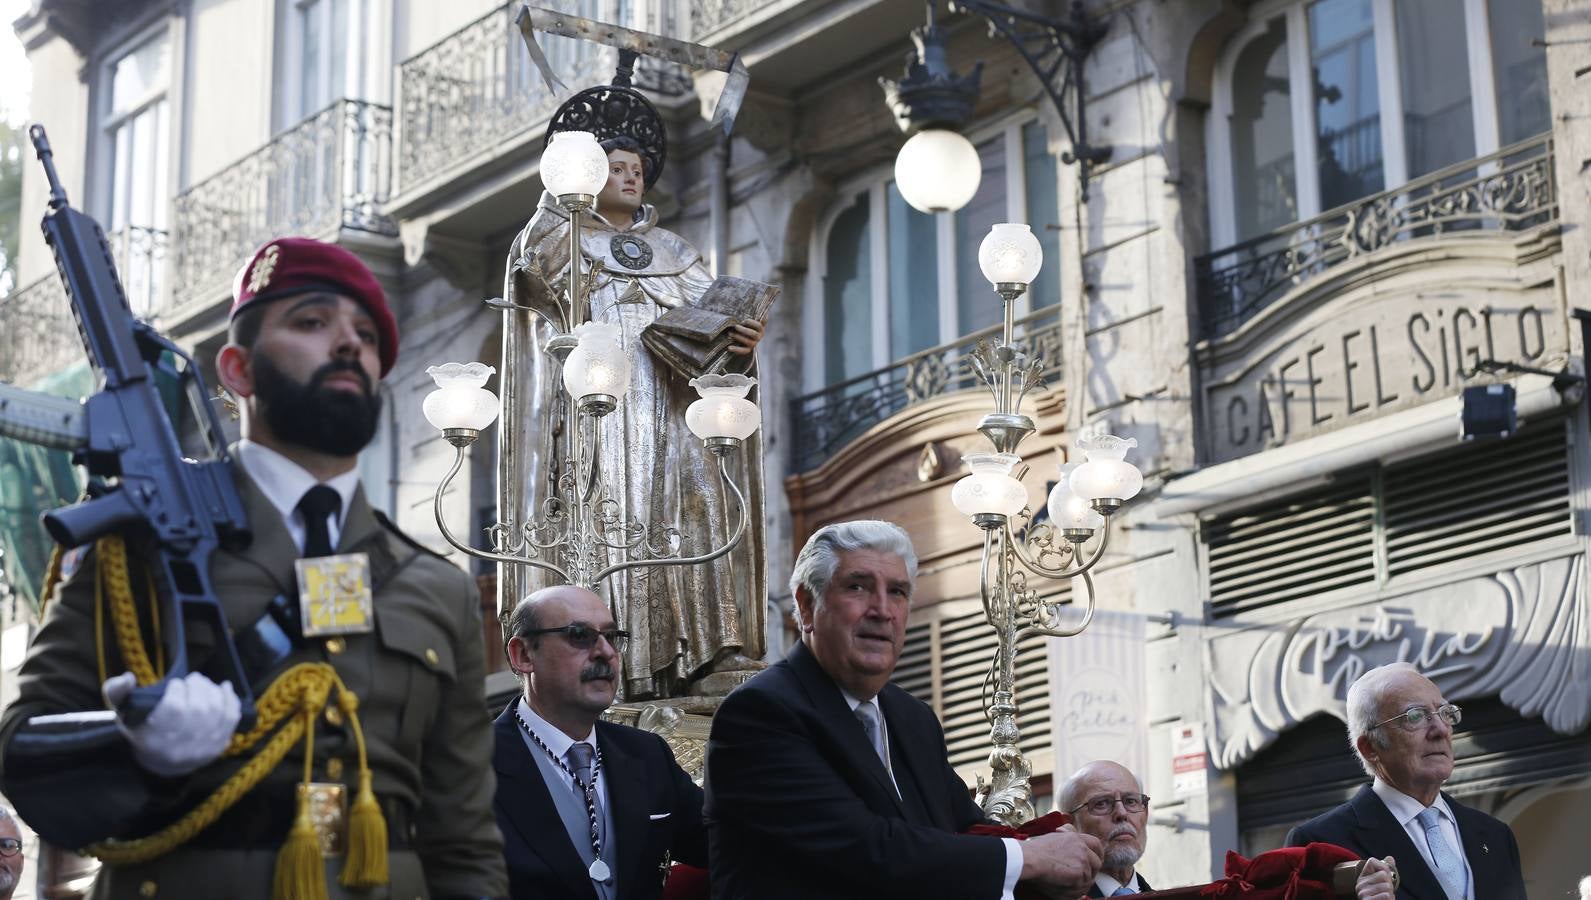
(1098, 708)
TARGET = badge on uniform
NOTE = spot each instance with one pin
(328, 813)
(334, 594)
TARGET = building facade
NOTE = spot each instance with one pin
(1318, 222)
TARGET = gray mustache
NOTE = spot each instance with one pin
(598, 670)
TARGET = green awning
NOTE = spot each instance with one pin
(32, 481)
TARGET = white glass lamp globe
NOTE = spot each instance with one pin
(1067, 510)
(461, 399)
(723, 410)
(1010, 254)
(598, 365)
(1106, 475)
(938, 171)
(990, 489)
(574, 163)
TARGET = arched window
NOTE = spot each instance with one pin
(889, 281)
(1320, 103)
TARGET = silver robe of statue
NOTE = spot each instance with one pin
(684, 621)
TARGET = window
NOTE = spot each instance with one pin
(890, 281)
(137, 137)
(331, 50)
(1321, 103)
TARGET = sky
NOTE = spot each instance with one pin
(14, 75)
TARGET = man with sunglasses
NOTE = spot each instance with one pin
(1105, 800)
(11, 858)
(1401, 729)
(589, 810)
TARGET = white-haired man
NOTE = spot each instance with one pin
(1401, 728)
(1106, 800)
(825, 780)
(11, 859)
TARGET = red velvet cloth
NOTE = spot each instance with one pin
(1292, 873)
(686, 882)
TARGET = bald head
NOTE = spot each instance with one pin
(570, 674)
(1123, 832)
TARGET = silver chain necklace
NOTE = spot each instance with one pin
(599, 870)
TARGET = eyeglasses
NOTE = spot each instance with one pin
(1416, 717)
(583, 637)
(10, 846)
(1103, 806)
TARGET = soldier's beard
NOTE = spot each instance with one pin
(310, 415)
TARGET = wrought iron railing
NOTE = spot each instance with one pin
(40, 335)
(1510, 190)
(708, 16)
(140, 254)
(478, 87)
(331, 171)
(37, 333)
(826, 420)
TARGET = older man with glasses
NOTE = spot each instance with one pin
(1105, 800)
(589, 810)
(1401, 729)
(11, 859)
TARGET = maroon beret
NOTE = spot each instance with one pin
(289, 266)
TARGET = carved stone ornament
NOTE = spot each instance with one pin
(931, 463)
(1519, 634)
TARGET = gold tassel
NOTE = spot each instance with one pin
(366, 865)
(300, 872)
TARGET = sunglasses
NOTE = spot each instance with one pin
(583, 637)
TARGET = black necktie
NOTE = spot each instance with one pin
(318, 505)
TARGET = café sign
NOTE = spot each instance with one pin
(1373, 358)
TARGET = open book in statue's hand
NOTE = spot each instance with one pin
(694, 340)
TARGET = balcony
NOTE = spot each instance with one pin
(476, 90)
(708, 16)
(1511, 190)
(827, 420)
(40, 332)
(331, 172)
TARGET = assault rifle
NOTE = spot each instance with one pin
(141, 485)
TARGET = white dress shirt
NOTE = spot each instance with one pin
(1406, 810)
(559, 743)
(1108, 885)
(1013, 847)
(285, 482)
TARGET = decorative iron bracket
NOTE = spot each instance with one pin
(1055, 50)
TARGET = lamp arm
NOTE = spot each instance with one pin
(740, 531)
(441, 524)
(1088, 615)
(1034, 566)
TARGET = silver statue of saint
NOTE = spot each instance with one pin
(686, 622)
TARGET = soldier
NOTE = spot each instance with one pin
(401, 727)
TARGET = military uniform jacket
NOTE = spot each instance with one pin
(420, 680)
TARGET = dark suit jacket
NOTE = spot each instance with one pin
(800, 806)
(1365, 826)
(643, 781)
(1143, 886)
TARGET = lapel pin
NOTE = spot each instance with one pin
(1485, 849)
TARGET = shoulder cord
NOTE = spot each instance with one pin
(297, 698)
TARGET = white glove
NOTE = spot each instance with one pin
(188, 728)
